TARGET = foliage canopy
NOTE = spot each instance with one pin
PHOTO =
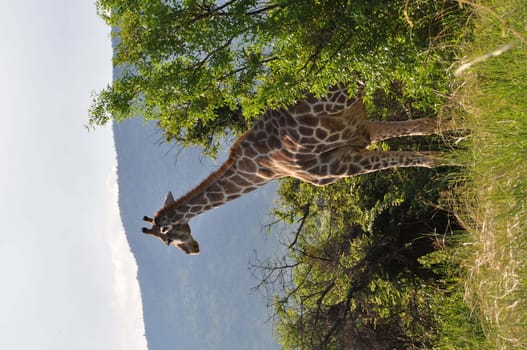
(201, 68)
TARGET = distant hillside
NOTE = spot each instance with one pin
(192, 302)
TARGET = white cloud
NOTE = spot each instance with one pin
(128, 304)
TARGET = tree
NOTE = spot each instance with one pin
(363, 269)
(201, 68)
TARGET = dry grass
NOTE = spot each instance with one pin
(493, 201)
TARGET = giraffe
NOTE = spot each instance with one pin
(316, 140)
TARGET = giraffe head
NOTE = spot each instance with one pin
(170, 232)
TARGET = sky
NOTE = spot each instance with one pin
(69, 280)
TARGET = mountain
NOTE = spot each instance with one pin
(193, 302)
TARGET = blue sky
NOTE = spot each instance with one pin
(68, 277)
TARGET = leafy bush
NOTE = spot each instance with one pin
(368, 269)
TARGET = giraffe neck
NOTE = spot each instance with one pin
(223, 185)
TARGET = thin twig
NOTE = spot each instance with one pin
(482, 58)
(301, 226)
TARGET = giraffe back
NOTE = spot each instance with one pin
(297, 140)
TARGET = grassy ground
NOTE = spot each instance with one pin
(492, 203)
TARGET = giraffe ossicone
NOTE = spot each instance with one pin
(316, 140)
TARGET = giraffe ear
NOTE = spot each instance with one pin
(169, 199)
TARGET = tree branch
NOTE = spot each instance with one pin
(238, 70)
(301, 226)
(200, 64)
(264, 9)
(210, 12)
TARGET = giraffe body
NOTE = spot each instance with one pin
(316, 140)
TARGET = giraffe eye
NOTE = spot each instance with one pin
(165, 229)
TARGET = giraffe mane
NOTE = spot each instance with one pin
(213, 177)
